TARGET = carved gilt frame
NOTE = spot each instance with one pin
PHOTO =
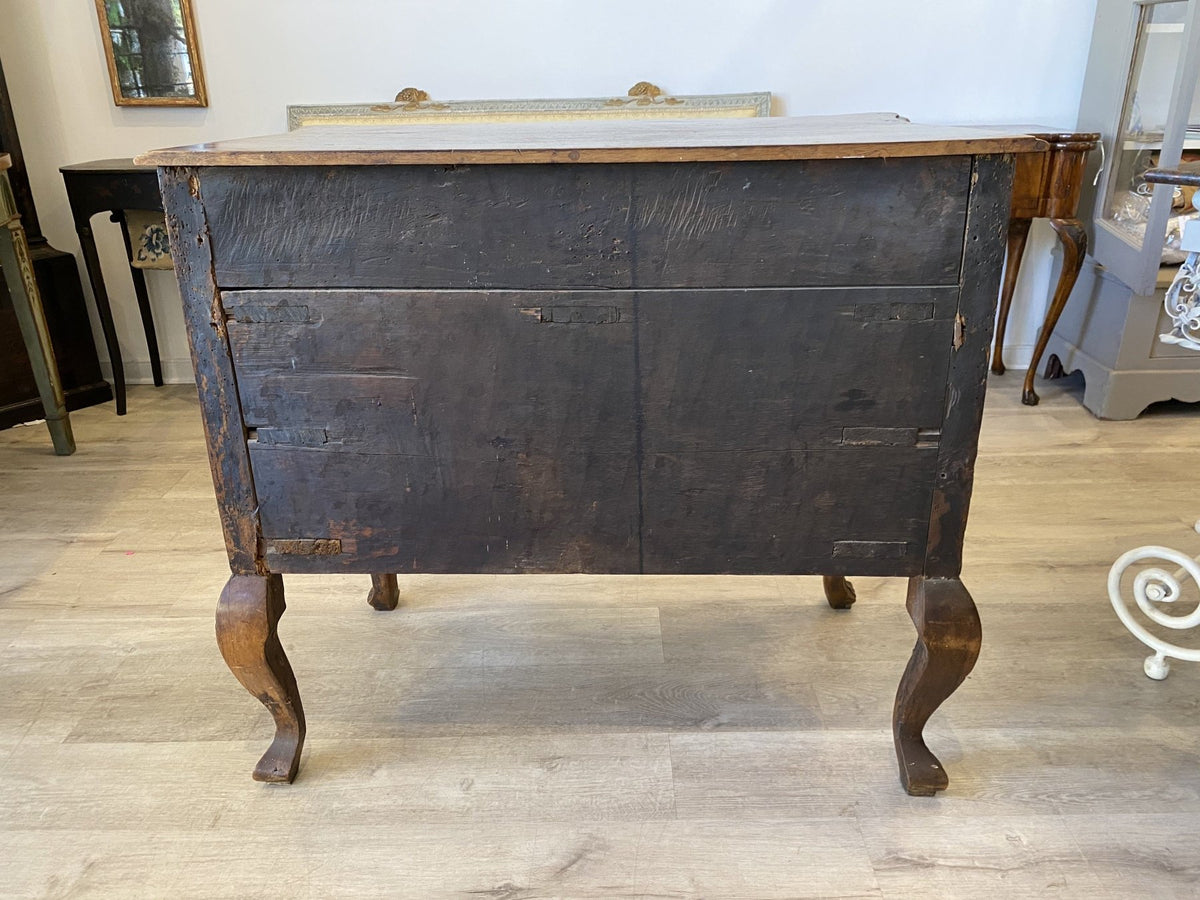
(413, 105)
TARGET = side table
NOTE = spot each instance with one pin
(1046, 185)
(27, 304)
(114, 186)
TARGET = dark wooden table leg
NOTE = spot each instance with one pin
(1074, 243)
(948, 638)
(143, 299)
(838, 591)
(91, 261)
(247, 618)
(385, 593)
(1018, 233)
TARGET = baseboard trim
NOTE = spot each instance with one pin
(76, 397)
(137, 371)
(1017, 356)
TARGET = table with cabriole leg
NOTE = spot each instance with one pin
(744, 346)
(1046, 185)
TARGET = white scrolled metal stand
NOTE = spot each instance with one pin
(1182, 304)
(1154, 586)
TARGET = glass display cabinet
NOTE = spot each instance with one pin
(1140, 94)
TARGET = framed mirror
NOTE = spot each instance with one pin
(153, 56)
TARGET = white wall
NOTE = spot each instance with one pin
(937, 61)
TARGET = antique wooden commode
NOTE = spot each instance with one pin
(710, 346)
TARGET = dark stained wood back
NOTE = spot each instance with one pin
(429, 379)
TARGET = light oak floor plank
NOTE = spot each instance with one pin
(583, 736)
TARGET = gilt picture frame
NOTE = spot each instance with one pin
(643, 100)
(152, 52)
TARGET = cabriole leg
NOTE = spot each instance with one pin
(1073, 239)
(247, 619)
(948, 638)
(385, 594)
(1018, 233)
(838, 591)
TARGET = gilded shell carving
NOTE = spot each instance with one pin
(644, 93)
(412, 95)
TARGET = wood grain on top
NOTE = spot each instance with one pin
(693, 140)
(770, 223)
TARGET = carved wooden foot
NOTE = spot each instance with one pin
(948, 638)
(384, 592)
(1054, 367)
(838, 591)
(1073, 239)
(91, 261)
(247, 618)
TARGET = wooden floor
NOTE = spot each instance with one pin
(530, 737)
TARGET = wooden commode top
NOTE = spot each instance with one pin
(641, 140)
